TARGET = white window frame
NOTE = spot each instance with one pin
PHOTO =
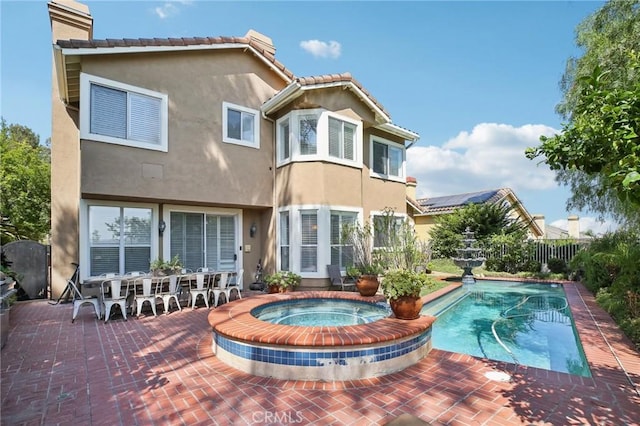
(322, 138)
(85, 237)
(341, 245)
(86, 80)
(168, 208)
(390, 145)
(324, 236)
(379, 213)
(255, 143)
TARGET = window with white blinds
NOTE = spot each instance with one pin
(240, 125)
(341, 139)
(203, 240)
(319, 135)
(119, 239)
(285, 238)
(387, 160)
(309, 241)
(122, 114)
(341, 254)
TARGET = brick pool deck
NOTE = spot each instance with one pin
(161, 371)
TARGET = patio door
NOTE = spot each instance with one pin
(204, 240)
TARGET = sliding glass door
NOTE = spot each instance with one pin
(204, 240)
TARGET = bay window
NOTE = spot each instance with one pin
(319, 135)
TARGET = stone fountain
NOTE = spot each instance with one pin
(469, 257)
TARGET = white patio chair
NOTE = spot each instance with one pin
(79, 300)
(146, 296)
(114, 288)
(219, 287)
(172, 283)
(234, 284)
(201, 289)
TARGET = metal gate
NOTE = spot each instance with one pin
(30, 261)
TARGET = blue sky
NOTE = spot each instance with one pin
(477, 80)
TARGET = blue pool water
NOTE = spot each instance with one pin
(321, 312)
(528, 324)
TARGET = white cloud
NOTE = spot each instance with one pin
(322, 49)
(592, 224)
(490, 156)
(169, 8)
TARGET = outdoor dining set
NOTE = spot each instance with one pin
(132, 291)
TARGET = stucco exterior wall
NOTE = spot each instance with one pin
(198, 167)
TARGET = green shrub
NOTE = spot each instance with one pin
(557, 265)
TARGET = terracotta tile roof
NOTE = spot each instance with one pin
(173, 42)
(338, 78)
(448, 203)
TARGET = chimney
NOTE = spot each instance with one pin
(412, 183)
(70, 20)
(262, 41)
(574, 227)
(539, 220)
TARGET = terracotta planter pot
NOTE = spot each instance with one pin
(274, 289)
(406, 307)
(367, 285)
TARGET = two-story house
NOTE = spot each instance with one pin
(209, 149)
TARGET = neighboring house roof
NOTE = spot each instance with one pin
(554, 233)
(447, 204)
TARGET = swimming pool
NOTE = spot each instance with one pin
(321, 312)
(523, 323)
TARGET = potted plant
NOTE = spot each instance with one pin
(365, 264)
(162, 267)
(282, 281)
(402, 289)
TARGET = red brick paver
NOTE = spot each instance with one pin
(162, 371)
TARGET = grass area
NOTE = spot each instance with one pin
(438, 285)
(447, 266)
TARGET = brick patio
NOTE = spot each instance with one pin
(162, 371)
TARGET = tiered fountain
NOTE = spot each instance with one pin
(469, 257)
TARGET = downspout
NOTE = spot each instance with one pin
(274, 196)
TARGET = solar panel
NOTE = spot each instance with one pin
(459, 199)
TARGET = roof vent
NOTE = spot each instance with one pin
(262, 41)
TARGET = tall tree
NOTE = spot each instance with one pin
(596, 154)
(25, 175)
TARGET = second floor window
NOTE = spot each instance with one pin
(122, 114)
(319, 135)
(387, 160)
(240, 125)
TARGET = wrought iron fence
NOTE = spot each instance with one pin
(542, 250)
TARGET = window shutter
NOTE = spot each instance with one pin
(145, 118)
(212, 243)
(309, 249)
(284, 242)
(349, 141)
(227, 243)
(335, 127)
(108, 112)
